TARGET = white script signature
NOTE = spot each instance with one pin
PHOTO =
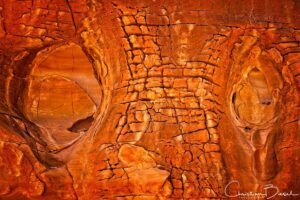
(269, 191)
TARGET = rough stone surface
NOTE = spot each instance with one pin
(149, 99)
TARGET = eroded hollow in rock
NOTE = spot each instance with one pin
(259, 83)
(253, 98)
(62, 95)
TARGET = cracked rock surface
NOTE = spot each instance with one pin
(121, 99)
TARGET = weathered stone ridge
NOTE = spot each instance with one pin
(151, 99)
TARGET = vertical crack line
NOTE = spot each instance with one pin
(72, 14)
(72, 88)
(72, 178)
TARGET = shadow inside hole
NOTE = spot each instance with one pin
(82, 125)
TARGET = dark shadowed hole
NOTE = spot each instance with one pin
(82, 125)
(247, 129)
(233, 99)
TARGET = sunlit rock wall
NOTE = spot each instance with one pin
(149, 99)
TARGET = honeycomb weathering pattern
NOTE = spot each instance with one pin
(149, 99)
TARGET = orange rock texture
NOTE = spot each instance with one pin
(149, 99)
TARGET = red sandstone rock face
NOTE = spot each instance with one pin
(148, 99)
